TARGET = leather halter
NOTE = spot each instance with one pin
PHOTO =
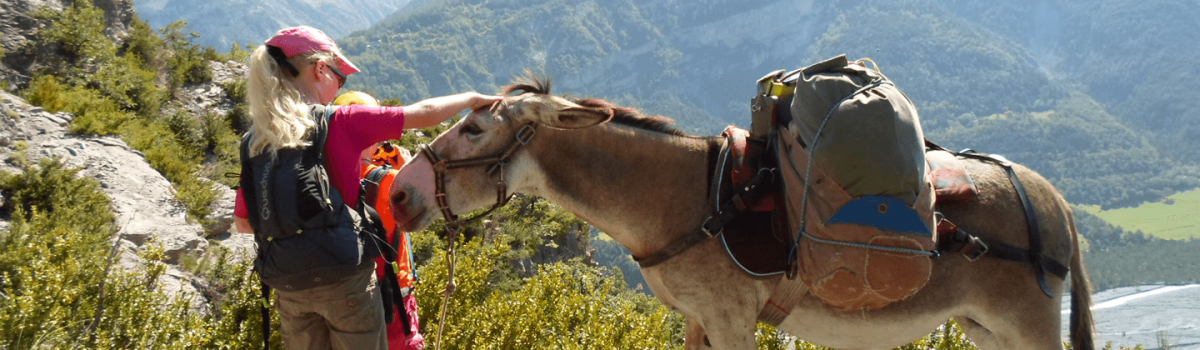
(494, 163)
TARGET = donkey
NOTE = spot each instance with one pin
(646, 184)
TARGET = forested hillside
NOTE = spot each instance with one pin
(223, 23)
(1033, 82)
(1131, 55)
(625, 50)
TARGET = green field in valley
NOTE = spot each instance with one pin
(1176, 217)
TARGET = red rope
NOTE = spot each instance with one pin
(781, 309)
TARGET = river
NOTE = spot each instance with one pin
(1130, 316)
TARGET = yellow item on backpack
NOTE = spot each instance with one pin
(355, 98)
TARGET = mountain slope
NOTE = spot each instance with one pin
(221, 23)
(665, 57)
(978, 88)
(1131, 55)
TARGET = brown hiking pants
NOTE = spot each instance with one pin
(347, 315)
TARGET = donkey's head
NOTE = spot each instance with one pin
(485, 157)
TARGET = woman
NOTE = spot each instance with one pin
(297, 68)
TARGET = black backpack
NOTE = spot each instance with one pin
(307, 236)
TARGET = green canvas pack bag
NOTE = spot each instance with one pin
(872, 142)
(852, 161)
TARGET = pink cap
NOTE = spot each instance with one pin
(303, 39)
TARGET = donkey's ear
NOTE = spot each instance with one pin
(579, 117)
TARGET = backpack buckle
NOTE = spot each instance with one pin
(704, 228)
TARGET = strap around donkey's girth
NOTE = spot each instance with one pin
(951, 239)
(1034, 255)
(742, 199)
(1007, 252)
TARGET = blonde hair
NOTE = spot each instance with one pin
(276, 103)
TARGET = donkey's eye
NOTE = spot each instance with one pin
(472, 130)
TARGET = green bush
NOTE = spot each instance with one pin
(146, 44)
(238, 54)
(236, 89)
(94, 112)
(186, 129)
(46, 91)
(188, 62)
(173, 146)
(566, 305)
(222, 144)
(19, 158)
(124, 80)
(58, 288)
(78, 29)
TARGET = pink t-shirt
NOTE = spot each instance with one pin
(352, 129)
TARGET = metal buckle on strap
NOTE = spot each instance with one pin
(526, 130)
(975, 254)
(972, 247)
(704, 228)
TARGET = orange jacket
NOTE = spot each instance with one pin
(383, 157)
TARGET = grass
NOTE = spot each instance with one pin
(1176, 217)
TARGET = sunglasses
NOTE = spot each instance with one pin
(340, 75)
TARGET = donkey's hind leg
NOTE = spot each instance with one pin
(1013, 336)
(1034, 324)
(1034, 336)
(981, 336)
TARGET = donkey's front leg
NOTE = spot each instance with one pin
(695, 337)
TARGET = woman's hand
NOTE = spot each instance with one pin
(481, 101)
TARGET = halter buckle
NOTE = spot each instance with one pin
(525, 134)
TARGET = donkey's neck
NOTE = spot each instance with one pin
(643, 188)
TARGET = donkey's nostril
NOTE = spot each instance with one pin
(400, 198)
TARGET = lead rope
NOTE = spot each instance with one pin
(453, 233)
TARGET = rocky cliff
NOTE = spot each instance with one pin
(142, 198)
(19, 26)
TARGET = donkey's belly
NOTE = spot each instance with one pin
(888, 328)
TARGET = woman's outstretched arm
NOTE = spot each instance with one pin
(430, 112)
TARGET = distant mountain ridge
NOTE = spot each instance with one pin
(221, 23)
(1049, 84)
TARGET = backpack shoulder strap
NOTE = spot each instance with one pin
(324, 115)
(246, 183)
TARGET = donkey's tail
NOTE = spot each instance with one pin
(1082, 325)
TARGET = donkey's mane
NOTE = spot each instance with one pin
(627, 116)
